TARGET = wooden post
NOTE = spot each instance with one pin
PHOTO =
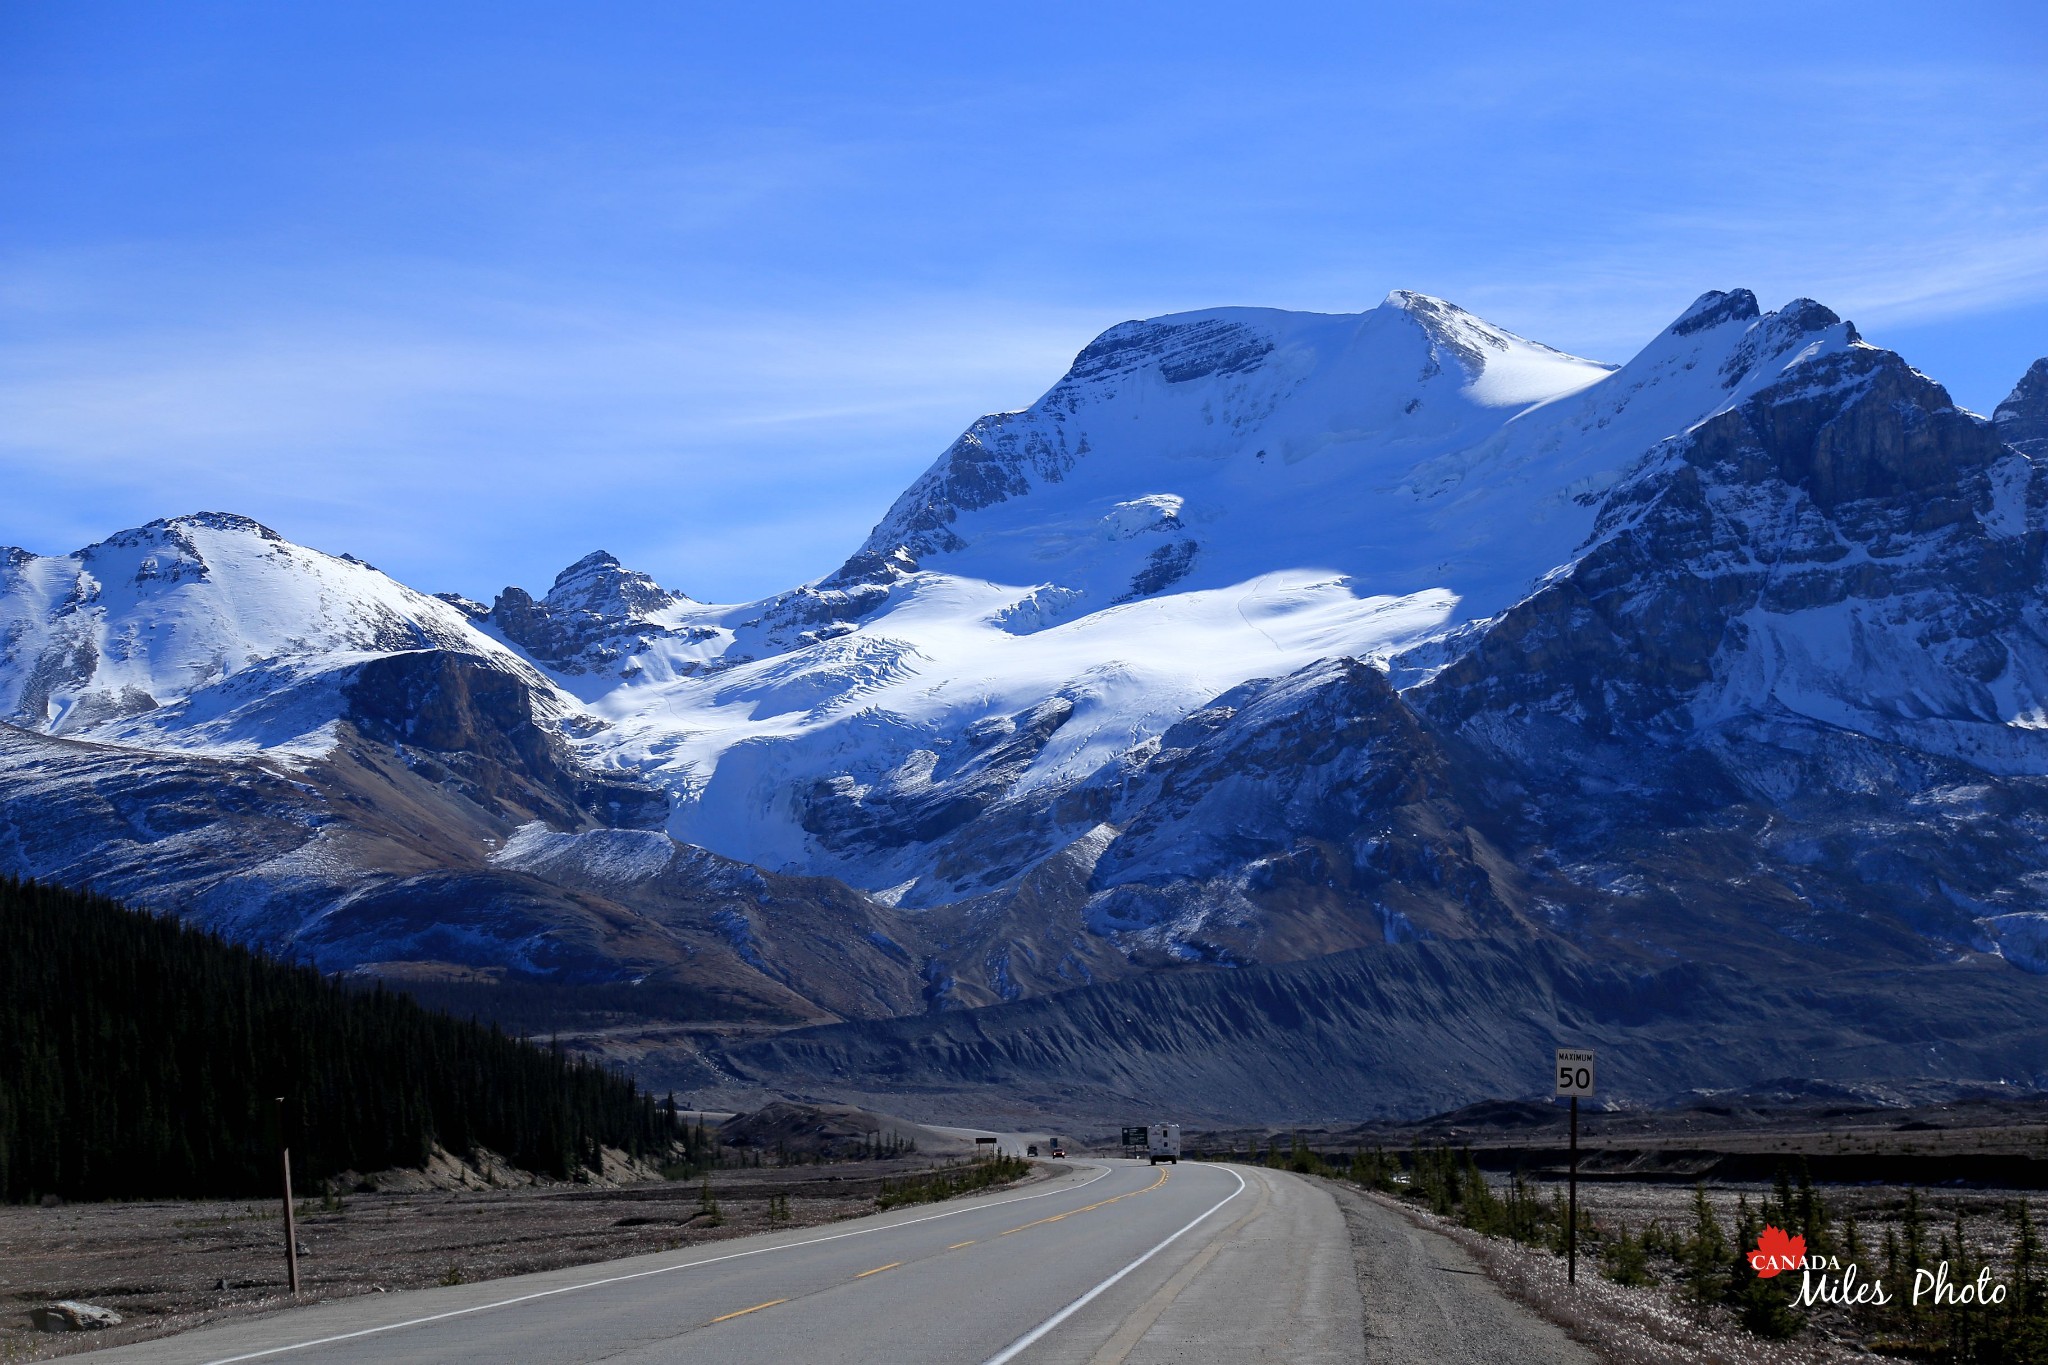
(1571, 1228)
(291, 1227)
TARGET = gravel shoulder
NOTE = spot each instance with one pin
(1427, 1302)
(1273, 1286)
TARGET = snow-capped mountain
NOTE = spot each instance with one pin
(1809, 634)
(1260, 636)
(206, 632)
(1202, 500)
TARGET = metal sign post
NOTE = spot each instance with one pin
(291, 1231)
(1574, 1078)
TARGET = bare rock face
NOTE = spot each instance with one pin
(1853, 497)
(992, 461)
(2023, 417)
(463, 722)
(1317, 787)
(597, 613)
(1805, 640)
(1715, 307)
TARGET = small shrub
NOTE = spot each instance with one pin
(948, 1181)
(1625, 1261)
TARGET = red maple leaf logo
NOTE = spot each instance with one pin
(1775, 1252)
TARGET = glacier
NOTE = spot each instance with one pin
(1261, 636)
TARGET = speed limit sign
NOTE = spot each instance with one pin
(1574, 1071)
(1574, 1078)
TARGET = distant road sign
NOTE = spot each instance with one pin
(1574, 1071)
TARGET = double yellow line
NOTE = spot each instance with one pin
(1087, 1208)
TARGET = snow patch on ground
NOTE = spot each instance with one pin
(1154, 512)
(616, 857)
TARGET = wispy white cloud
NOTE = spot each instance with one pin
(571, 427)
(715, 319)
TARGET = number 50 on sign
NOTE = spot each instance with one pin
(1574, 1071)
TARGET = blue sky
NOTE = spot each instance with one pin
(469, 290)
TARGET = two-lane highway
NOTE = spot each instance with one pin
(1110, 1262)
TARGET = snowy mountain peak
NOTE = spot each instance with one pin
(1164, 662)
(1723, 349)
(180, 632)
(1766, 334)
(2023, 417)
(600, 585)
(1420, 304)
(1219, 411)
(1457, 335)
(181, 536)
(1179, 347)
(1713, 308)
(597, 613)
(2029, 396)
(209, 521)
(1800, 331)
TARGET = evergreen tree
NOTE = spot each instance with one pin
(1705, 1256)
(142, 1058)
(1913, 1229)
(1624, 1259)
(1763, 1306)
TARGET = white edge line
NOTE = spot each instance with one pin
(659, 1270)
(1017, 1347)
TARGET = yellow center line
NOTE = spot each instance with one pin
(1085, 1208)
(727, 1317)
(1102, 1203)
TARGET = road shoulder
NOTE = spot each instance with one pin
(368, 1315)
(1272, 1286)
(1426, 1301)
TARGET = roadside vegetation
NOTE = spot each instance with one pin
(1685, 1254)
(141, 1058)
(951, 1180)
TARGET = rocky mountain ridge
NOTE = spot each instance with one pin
(2022, 418)
(1261, 637)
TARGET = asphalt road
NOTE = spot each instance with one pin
(1098, 1258)
(1107, 1263)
